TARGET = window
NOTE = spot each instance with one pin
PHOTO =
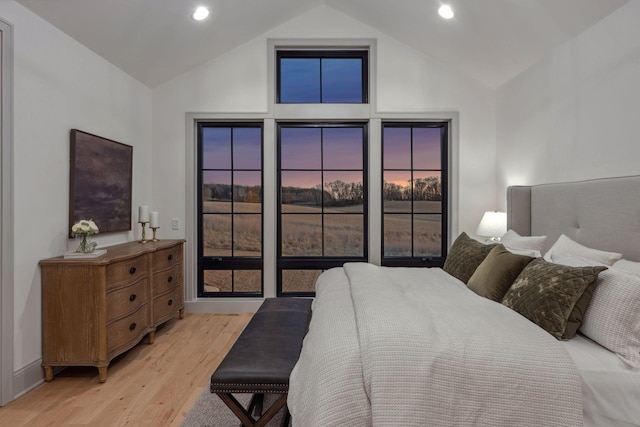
(322, 201)
(322, 76)
(230, 210)
(414, 198)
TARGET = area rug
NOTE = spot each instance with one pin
(210, 411)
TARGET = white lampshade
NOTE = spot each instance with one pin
(493, 224)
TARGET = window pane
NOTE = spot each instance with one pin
(247, 192)
(342, 80)
(342, 148)
(217, 281)
(299, 80)
(216, 235)
(396, 192)
(301, 191)
(299, 280)
(300, 148)
(301, 235)
(426, 148)
(427, 192)
(397, 235)
(216, 191)
(247, 235)
(216, 148)
(427, 235)
(247, 280)
(343, 190)
(343, 235)
(247, 148)
(397, 148)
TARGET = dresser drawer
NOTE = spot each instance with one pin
(166, 304)
(166, 280)
(128, 271)
(129, 329)
(166, 258)
(127, 300)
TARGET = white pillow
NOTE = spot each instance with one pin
(626, 265)
(532, 245)
(613, 316)
(564, 246)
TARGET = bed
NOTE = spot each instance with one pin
(420, 346)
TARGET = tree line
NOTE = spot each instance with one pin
(335, 193)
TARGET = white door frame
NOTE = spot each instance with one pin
(6, 213)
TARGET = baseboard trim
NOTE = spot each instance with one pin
(27, 378)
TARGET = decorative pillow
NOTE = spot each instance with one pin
(465, 256)
(613, 317)
(497, 272)
(513, 241)
(565, 246)
(628, 266)
(553, 296)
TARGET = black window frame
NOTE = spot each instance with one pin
(362, 54)
(228, 263)
(320, 263)
(420, 261)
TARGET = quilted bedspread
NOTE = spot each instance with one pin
(415, 347)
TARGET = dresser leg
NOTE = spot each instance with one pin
(152, 336)
(102, 374)
(48, 373)
(181, 313)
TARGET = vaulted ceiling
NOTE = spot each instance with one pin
(156, 40)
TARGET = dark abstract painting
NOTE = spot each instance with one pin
(100, 182)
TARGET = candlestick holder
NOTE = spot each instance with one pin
(154, 233)
(144, 224)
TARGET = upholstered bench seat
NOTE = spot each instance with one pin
(262, 358)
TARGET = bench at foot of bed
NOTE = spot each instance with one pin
(262, 358)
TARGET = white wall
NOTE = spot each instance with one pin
(574, 115)
(60, 85)
(407, 81)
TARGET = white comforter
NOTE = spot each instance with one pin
(415, 347)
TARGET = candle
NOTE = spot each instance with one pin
(143, 213)
(155, 219)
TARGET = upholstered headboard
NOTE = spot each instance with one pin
(601, 213)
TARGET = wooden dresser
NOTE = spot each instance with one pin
(94, 309)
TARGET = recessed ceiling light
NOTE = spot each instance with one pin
(445, 11)
(200, 13)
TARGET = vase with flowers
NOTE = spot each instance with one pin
(84, 229)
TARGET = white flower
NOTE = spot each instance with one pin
(85, 226)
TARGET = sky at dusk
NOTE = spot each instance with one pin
(326, 80)
(216, 148)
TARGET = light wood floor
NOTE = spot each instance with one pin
(150, 385)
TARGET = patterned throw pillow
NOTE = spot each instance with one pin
(553, 296)
(613, 317)
(465, 256)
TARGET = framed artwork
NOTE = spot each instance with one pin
(100, 182)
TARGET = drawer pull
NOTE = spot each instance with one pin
(170, 257)
(132, 326)
(170, 302)
(170, 279)
(132, 297)
(132, 270)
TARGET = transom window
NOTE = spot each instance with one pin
(322, 201)
(322, 76)
(230, 210)
(414, 207)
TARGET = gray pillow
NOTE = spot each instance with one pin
(465, 256)
(553, 296)
(496, 273)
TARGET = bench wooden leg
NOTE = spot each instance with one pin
(245, 416)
